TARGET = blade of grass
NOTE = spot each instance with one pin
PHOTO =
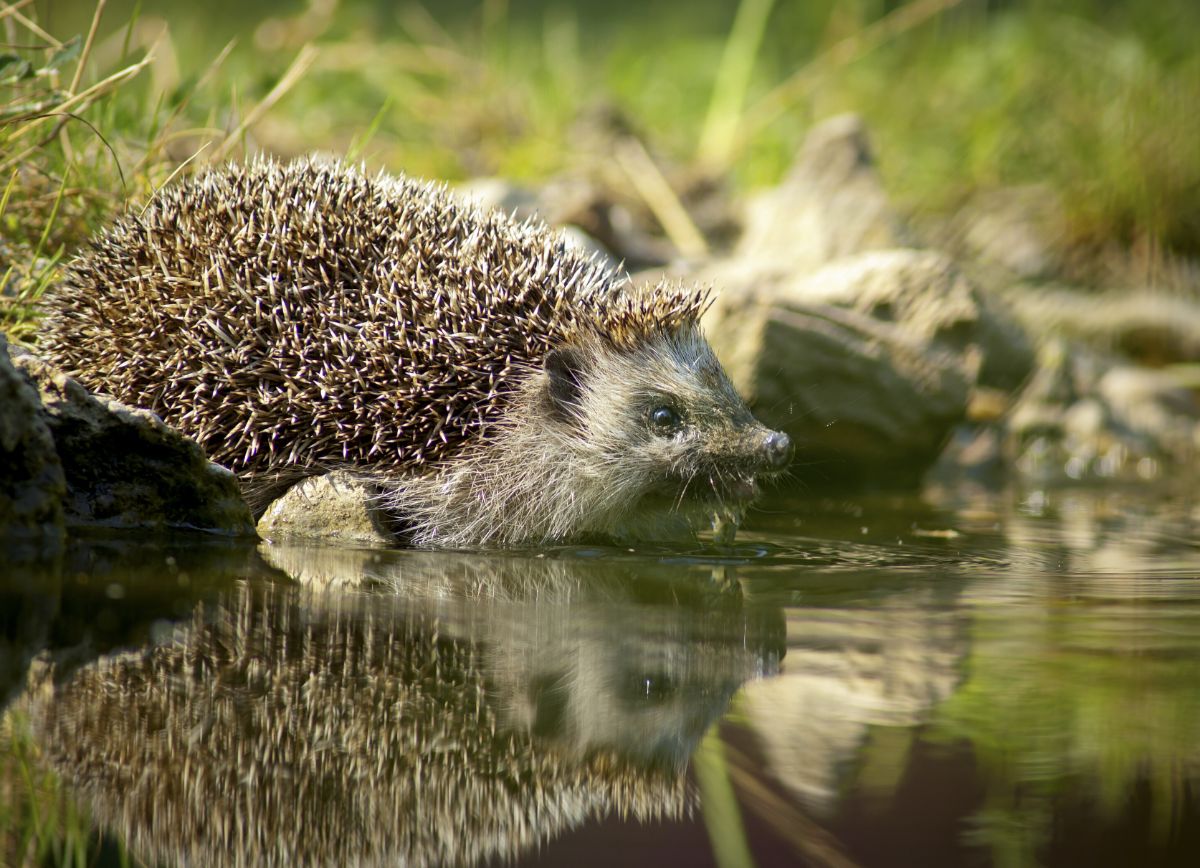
(733, 78)
(32, 26)
(360, 141)
(158, 141)
(8, 188)
(72, 116)
(815, 845)
(13, 8)
(175, 172)
(37, 251)
(79, 99)
(719, 805)
(304, 59)
(869, 38)
(650, 184)
(87, 45)
(134, 17)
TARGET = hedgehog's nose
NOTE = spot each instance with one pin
(778, 449)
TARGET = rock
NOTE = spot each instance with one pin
(498, 194)
(1145, 399)
(32, 485)
(589, 215)
(932, 301)
(1016, 228)
(1150, 327)
(831, 204)
(1081, 418)
(846, 671)
(974, 453)
(125, 468)
(1151, 404)
(867, 363)
(865, 351)
(336, 507)
(858, 397)
(578, 240)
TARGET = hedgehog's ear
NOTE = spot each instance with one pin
(564, 368)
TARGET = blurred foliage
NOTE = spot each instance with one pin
(39, 823)
(1092, 99)
(1053, 709)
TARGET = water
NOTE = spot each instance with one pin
(972, 679)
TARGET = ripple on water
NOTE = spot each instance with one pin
(957, 680)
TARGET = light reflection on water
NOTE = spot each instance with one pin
(991, 680)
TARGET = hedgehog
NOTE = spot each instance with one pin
(498, 387)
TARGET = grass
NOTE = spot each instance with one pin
(1096, 113)
(1092, 100)
(39, 823)
(79, 147)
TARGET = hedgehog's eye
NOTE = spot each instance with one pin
(664, 420)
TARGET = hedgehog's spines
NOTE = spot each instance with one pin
(423, 305)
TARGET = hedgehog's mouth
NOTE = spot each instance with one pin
(697, 502)
(731, 477)
(710, 492)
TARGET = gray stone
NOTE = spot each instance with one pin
(1081, 418)
(1152, 404)
(336, 507)
(831, 204)
(933, 302)
(125, 468)
(867, 363)
(1016, 228)
(1150, 326)
(856, 395)
(844, 672)
(578, 240)
(590, 215)
(501, 195)
(1143, 396)
(974, 454)
(32, 485)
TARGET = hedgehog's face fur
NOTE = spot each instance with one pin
(647, 441)
(661, 427)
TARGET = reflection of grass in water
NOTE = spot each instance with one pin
(1077, 708)
(40, 824)
(718, 802)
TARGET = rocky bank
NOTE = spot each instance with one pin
(883, 358)
(72, 459)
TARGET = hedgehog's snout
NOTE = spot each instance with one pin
(777, 451)
(754, 454)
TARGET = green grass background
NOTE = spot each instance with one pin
(1094, 100)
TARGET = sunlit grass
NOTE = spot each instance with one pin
(83, 138)
(1093, 113)
(61, 174)
(1093, 101)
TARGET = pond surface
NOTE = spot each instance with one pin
(969, 679)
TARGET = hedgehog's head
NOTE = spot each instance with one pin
(609, 416)
(657, 426)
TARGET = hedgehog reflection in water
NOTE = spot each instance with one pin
(282, 727)
(503, 389)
